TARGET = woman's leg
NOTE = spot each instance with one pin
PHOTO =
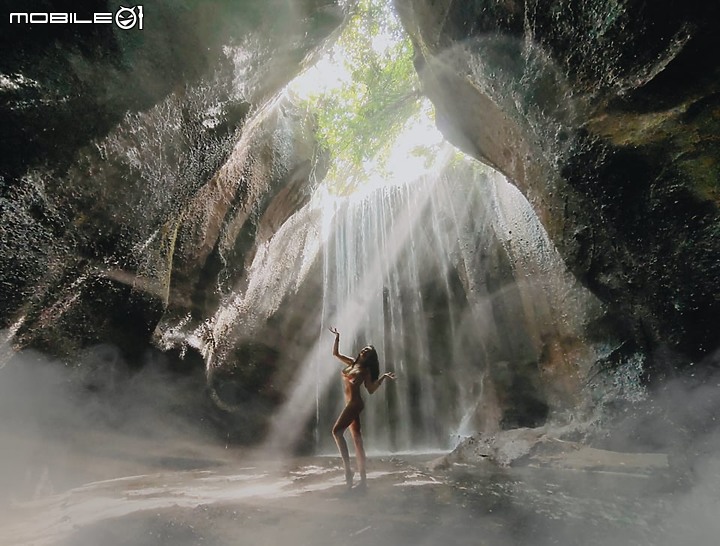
(346, 417)
(359, 449)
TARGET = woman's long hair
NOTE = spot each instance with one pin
(372, 361)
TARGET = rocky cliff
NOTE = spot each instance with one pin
(133, 157)
(142, 172)
(605, 115)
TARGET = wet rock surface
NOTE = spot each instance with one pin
(304, 501)
(113, 140)
(542, 447)
(602, 113)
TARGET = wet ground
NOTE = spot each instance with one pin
(238, 499)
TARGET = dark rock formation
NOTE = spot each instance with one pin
(543, 447)
(118, 173)
(605, 115)
(142, 172)
(269, 175)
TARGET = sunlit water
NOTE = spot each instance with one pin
(411, 267)
(256, 502)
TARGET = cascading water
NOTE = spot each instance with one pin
(425, 271)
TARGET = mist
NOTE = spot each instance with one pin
(182, 222)
(109, 450)
(62, 425)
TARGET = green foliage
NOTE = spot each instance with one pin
(358, 120)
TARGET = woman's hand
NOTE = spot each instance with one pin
(372, 386)
(336, 346)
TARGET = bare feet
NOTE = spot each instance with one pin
(349, 478)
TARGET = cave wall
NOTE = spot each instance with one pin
(121, 189)
(604, 114)
(140, 172)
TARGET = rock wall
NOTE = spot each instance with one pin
(603, 114)
(122, 188)
(141, 172)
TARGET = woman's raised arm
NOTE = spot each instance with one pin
(336, 353)
(372, 386)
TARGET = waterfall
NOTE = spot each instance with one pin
(415, 268)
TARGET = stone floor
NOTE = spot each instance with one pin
(231, 498)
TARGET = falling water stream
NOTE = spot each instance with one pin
(447, 271)
(449, 274)
(429, 272)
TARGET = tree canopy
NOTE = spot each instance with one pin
(360, 117)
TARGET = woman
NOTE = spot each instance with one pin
(364, 370)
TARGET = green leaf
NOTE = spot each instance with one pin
(359, 119)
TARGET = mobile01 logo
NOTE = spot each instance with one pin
(124, 18)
